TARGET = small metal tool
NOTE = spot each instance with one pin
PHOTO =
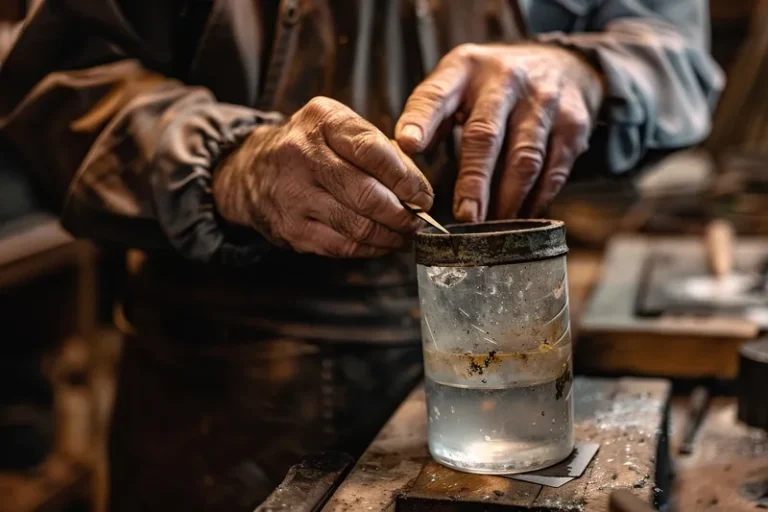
(416, 210)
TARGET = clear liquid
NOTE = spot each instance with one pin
(501, 430)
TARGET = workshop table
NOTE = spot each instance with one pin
(728, 467)
(625, 416)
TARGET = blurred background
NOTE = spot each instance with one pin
(60, 321)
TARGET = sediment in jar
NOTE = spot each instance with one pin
(496, 368)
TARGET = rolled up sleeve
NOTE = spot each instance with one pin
(124, 153)
(661, 83)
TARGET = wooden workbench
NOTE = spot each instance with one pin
(614, 340)
(626, 416)
(727, 458)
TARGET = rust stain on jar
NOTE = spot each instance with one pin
(477, 364)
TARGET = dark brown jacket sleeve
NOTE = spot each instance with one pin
(124, 152)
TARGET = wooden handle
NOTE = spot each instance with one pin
(719, 242)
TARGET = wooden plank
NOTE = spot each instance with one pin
(454, 490)
(658, 355)
(625, 416)
(628, 423)
(727, 456)
(307, 484)
(390, 464)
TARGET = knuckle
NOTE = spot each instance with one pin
(368, 201)
(362, 229)
(505, 70)
(463, 51)
(319, 106)
(287, 230)
(577, 124)
(556, 178)
(363, 146)
(527, 163)
(346, 249)
(294, 146)
(404, 182)
(482, 131)
(408, 184)
(517, 75)
(356, 227)
(474, 176)
(432, 91)
(471, 183)
(323, 169)
(576, 118)
(549, 99)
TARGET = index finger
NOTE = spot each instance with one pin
(481, 143)
(432, 102)
(360, 143)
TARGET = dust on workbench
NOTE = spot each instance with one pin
(728, 462)
(625, 416)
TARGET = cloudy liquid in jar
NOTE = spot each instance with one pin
(487, 414)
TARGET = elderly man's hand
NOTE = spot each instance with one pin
(327, 182)
(540, 100)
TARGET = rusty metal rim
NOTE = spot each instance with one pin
(492, 243)
(515, 226)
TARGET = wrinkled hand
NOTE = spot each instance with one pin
(327, 182)
(540, 100)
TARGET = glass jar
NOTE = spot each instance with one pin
(497, 345)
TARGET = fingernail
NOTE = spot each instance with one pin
(412, 132)
(468, 210)
(422, 199)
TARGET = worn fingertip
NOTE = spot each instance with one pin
(410, 138)
(412, 132)
(468, 211)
